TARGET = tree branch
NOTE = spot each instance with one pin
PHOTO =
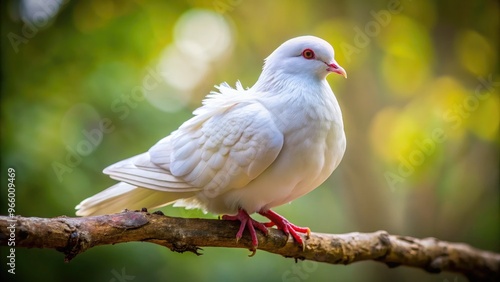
(73, 236)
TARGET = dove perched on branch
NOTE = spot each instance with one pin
(243, 151)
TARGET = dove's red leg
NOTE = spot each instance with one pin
(285, 225)
(250, 224)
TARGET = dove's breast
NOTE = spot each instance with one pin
(314, 144)
(309, 158)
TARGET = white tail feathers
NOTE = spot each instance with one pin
(125, 196)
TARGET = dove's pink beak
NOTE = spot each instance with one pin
(336, 68)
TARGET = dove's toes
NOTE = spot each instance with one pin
(250, 224)
(269, 224)
(293, 229)
(243, 222)
(260, 226)
(286, 226)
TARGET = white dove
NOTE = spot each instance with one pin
(243, 151)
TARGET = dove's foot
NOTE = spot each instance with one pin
(250, 224)
(285, 225)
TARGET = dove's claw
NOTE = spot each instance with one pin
(285, 225)
(253, 250)
(281, 223)
(250, 224)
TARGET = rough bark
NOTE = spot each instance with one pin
(73, 236)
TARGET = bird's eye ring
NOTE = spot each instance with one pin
(308, 54)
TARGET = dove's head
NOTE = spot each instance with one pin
(304, 55)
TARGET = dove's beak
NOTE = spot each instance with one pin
(336, 68)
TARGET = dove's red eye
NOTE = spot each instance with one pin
(308, 54)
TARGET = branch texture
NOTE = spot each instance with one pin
(73, 236)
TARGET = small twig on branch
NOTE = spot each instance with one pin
(73, 236)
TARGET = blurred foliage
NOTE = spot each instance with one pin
(87, 83)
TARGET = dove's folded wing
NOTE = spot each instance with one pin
(227, 150)
(222, 147)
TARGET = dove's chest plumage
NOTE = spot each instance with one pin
(314, 144)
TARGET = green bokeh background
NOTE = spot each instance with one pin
(421, 112)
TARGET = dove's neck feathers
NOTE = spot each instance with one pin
(298, 92)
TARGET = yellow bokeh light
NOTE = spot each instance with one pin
(475, 53)
(443, 96)
(393, 131)
(407, 64)
(484, 119)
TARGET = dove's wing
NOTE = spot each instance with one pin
(227, 150)
(227, 144)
